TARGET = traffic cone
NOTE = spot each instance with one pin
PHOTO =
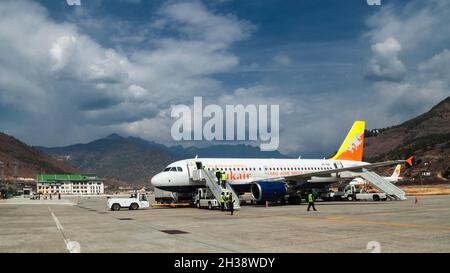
(267, 204)
(417, 201)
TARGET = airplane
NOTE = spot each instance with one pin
(394, 178)
(273, 179)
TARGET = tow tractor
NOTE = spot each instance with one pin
(135, 201)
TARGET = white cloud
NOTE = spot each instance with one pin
(385, 65)
(55, 77)
(438, 66)
(194, 20)
(282, 60)
(419, 33)
(62, 51)
(54, 73)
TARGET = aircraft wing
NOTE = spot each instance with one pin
(302, 177)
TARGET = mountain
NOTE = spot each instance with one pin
(114, 157)
(427, 137)
(30, 161)
(136, 160)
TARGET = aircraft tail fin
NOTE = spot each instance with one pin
(352, 147)
(396, 172)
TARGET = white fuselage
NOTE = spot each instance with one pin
(241, 172)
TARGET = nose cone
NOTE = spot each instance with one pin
(157, 180)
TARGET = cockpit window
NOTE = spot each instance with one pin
(173, 169)
(179, 169)
(166, 169)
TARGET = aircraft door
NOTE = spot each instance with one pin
(193, 169)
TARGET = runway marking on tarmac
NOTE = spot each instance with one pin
(72, 246)
(345, 219)
(181, 237)
(417, 210)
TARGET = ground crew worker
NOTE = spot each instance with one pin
(225, 200)
(222, 201)
(218, 175)
(231, 203)
(223, 177)
(311, 201)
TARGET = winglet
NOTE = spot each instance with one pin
(410, 160)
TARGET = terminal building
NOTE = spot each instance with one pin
(77, 184)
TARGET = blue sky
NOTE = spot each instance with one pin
(71, 74)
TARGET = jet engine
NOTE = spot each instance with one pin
(268, 190)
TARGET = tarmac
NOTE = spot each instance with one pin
(86, 225)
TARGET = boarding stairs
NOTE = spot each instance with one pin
(215, 188)
(392, 191)
(378, 182)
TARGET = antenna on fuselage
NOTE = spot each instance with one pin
(299, 157)
(196, 156)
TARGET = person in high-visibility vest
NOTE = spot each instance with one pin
(222, 201)
(225, 201)
(218, 175)
(311, 201)
(231, 203)
(223, 177)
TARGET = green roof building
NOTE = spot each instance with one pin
(79, 184)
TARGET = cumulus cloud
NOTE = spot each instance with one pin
(61, 76)
(437, 66)
(385, 64)
(418, 31)
(54, 73)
